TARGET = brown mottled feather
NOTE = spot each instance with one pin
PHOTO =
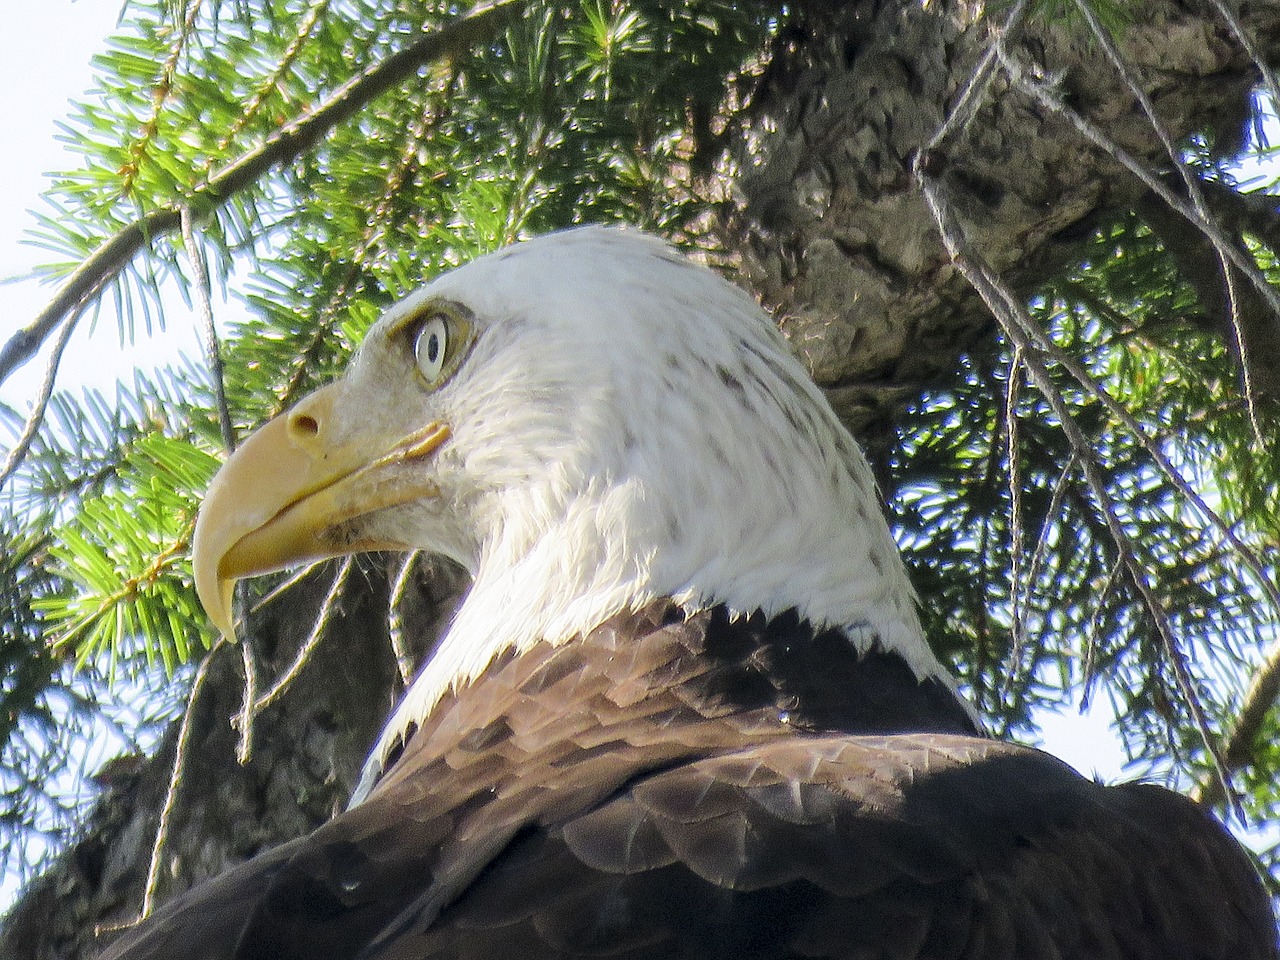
(702, 788)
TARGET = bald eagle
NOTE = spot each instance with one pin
(687, 709)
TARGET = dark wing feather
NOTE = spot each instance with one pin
(546, 811)
(868, 847)
(911, 847)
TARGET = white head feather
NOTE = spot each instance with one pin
(629, 426)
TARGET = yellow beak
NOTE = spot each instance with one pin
(285, 496)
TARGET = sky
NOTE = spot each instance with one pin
(38, 78)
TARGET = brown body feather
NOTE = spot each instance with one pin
(701, 788)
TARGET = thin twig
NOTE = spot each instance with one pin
(1246, 362)
(395, 619)
(1148, 443)
(972, 94)
(1137, 575)
(18, 452)
(284, 586)
(1010, 313)
(1015, 503)
(244, 719)
(323, 616)
(1224, 247)
(175, 783)
(285, 145)
(209, 332)
(1014, 312)
(95, 271)
(1089, 670)
(1055, 504)
(986, 563)
(1103, 36)
(1194, 192)
(1016, 670)
(1198, 215)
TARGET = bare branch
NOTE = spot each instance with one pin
(1017, 592)
(18, 452)
(244, 719)
(1223, 245)
(1256, 333)
(175, 783)
(975, 90)
(396, 620)
(323, 615)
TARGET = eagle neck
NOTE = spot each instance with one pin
(718, 680)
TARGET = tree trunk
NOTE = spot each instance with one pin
(828, 224)
(307, 751)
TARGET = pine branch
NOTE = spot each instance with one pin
(374, 235)
(1006, 308)
(284, 146)
(1035, 346)
(1239, 744)
(274, 82)
(1254, 339)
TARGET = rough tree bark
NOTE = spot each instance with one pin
(828, 221)
(827, 224)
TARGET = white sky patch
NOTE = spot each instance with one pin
(45, 53)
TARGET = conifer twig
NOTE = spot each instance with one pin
(208, 330)
(285, 145)
(1022, 332)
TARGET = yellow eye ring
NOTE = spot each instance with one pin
(437, 338)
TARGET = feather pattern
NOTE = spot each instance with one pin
(740, 809)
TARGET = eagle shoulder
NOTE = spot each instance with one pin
(673, 786)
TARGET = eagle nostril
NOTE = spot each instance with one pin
(304, 425)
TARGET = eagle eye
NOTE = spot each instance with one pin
(438, 339)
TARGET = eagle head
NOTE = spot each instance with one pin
(586, 421)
